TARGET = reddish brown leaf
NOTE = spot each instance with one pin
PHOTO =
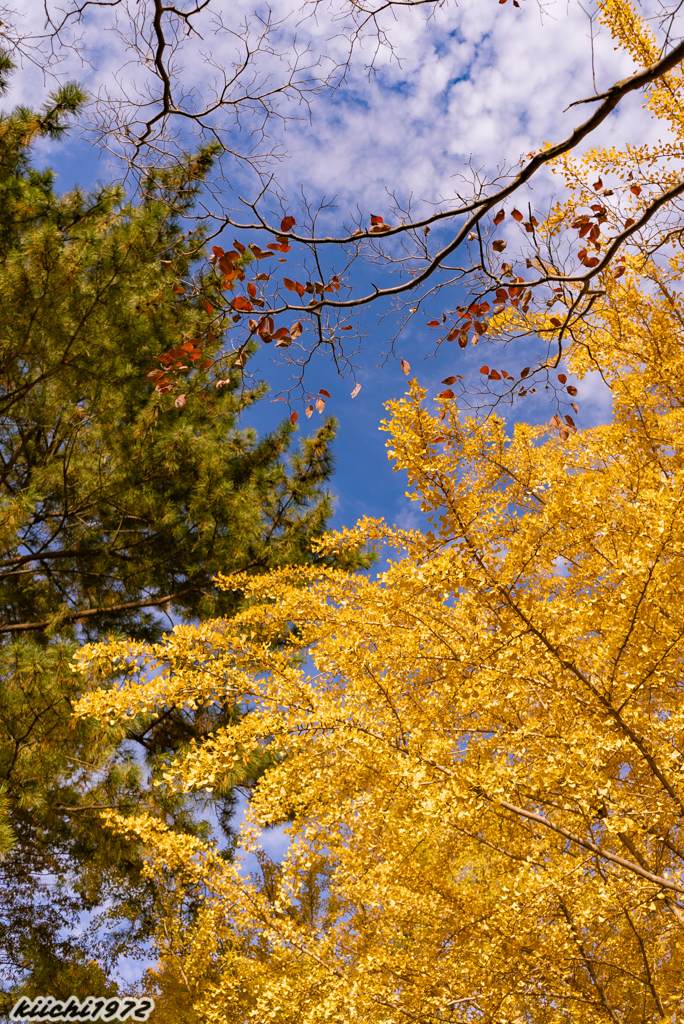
(562, 378)
(480, 328)
(484, 369)
(322, 391)
(494, 375)
(300, 289)
(463, 339)
(376, 220)
(287, 223)
(517, 215)
(555, 321)
(525, 371)
(571, 390)
(217, 250)
(448, 393)
(348, 327)
(598, 185)
(498, 218)
(449, 380)
(281, 333)
(294, 417)
(242, 304)
(635, 190)
(499, 245)
(501, 294)
(452, 335)
(569, 420)
(433, 323)
(290, 285)
(629, 222)
(178, 289)
(239, 246)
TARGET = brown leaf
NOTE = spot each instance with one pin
(357, 388)
(571, 390)
(635, 190)
(180, 401)
(499, 245)
(405, 367)
(287, 223)
(463, 339)
(449, 380)
(447, 393)
(296, 330)
(294, 417)
(484, 369)
(598, 185)
(498, 218)
(308, 412)
(494, 375)
(575, 407)
(322, 391)
(320, 404)
(562, 378)
(517, 215)
(555, 321)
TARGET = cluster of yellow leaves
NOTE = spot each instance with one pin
(485, 747)
(479, 752)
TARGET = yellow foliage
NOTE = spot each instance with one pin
(480, 751)
(486, 746)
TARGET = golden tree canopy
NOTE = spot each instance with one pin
(479, 752)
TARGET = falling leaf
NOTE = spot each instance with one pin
(180, 401)
(294, 417)
(405, 366)
(357, 388)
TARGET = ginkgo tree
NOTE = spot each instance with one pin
(479, 752)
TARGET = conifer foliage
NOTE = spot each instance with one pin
(118, 503)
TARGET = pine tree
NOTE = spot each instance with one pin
(118, 503)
